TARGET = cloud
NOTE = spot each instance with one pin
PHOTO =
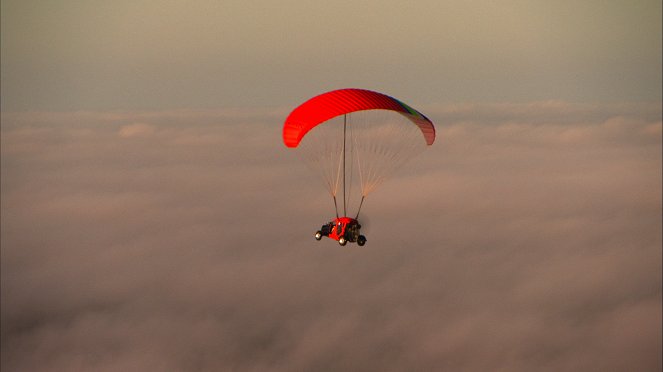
(527, 238)
(136, 130)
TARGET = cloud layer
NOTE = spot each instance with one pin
(527, 238)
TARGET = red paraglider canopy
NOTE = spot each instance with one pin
(343, 101)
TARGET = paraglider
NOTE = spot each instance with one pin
(355, 139)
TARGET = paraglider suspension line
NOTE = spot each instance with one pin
(360, 204)
(335, 206)
(344, 131)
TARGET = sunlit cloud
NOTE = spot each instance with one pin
(136, 130)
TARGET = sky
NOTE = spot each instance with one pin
(152, 219)
(100, 55)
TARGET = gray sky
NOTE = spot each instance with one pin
(90, 55)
